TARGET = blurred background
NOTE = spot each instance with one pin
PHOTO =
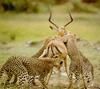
(24, 25)
(28, 19)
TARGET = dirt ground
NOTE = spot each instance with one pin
(90, 50)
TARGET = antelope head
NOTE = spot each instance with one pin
(61, 31)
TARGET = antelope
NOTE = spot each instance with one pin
(56, 45)
(84, 67)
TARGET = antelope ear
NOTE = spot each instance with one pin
(51, 27)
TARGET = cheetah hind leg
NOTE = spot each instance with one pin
(6, 84)
(15, 80)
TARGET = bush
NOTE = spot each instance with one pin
(19, 5)
(6, 5)
(90, 1)
(24, 5)
(97, 4)
(83, 7)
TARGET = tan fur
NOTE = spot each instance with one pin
(40, 51)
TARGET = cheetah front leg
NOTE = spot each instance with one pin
(83, 78)
(30, 81)
(77, 81)
(85, 87)
(70, 80)
(23, 79)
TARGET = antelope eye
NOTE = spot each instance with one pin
(55, 56)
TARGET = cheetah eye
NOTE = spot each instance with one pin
(61, 62)
(55, 56)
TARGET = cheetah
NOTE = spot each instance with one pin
(17, 66)
(79, 65)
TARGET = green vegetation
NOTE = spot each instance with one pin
(37, 6)
(18, 27)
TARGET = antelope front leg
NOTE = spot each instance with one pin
(59, 76)
(65, 64)
(48, 77)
